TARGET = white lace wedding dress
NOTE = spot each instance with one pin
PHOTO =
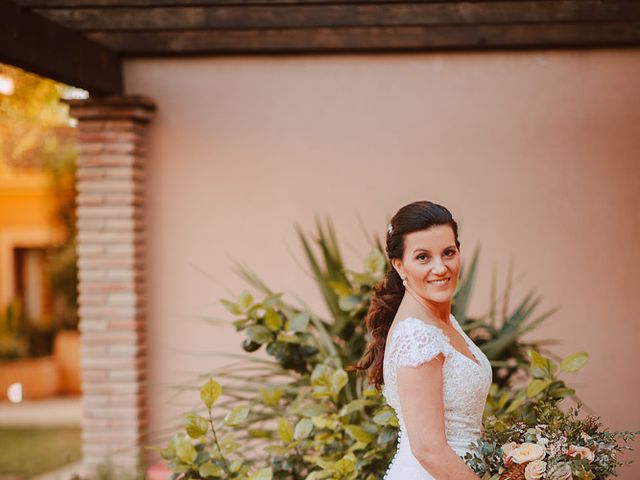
(465, 387)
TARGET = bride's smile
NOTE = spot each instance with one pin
(430, 266)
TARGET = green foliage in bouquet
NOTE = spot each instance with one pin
(302, 409)
(527, 436)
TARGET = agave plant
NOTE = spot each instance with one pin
(313, 419)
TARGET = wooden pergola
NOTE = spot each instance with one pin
(83, 43)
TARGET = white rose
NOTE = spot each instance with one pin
(527, 452)
(507, 448)
(542, 441)
(535, 470)
(582, 452)
(585, 436)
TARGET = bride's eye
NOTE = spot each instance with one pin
(451, 252)
(421, 256)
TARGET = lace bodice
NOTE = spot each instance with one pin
(465, 387)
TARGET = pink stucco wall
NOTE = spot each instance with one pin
(537, 154)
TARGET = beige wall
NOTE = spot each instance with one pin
(535, 153)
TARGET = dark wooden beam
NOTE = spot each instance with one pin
(373, 39)
(312, 16)
(41, 46)
(191, 3)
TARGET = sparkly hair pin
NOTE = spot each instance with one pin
(390, 229)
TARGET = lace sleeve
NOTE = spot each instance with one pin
(417, 342)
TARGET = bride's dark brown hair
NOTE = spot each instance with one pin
(388, 293)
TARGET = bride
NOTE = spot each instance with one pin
(429, 370)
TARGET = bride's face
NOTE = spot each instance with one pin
(431, 255)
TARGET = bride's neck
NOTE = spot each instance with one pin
(437, 313)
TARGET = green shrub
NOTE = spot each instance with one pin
(308, 417)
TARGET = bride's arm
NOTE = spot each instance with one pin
(421, 401)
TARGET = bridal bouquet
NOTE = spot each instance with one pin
(528, 436)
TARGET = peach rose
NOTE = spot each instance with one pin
(527, 452)
(582, 452)
(535, 470)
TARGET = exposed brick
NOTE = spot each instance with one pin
(106, 237)
(95, 423)
(110, 186)
(92, 325)
(92, 350)
(93, 287)
(109, 363)
(85, 298)
(115, 312)
(111, 160)
(94, 376)
(111, 261)
(133, 336)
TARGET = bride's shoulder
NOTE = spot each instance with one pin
(414, 341)
(410, 326)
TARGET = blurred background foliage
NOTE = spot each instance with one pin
(37, 139)
(298, 413)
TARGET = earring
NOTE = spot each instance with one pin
(404, 281)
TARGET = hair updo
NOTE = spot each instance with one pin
(388, 293)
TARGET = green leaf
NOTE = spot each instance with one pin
(285, 430)
(235, 466)
(185, 451)
(536, 386)
(340, 288)
(574, 362)
(539, 365)
(313, 410)
(245, 301)
(345, 465)
(349, 302)
(210, 469)
(386, 435)
(259, 433)
(562, 392)
(303, 429)
(229, 445)
(259, 334)
(339, 379)
(318, 475)
(271, 396)
(359, 433)
(232, 307)
(386, 416)
(300, 322)
(210, 392)
(286, 338)
(273, 320)
(263, 474)
(237, 416)
(355, 405)
(374, 262)
(516, 403)
(195, 425)
(277, 450)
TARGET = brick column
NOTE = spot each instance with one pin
(110, 168)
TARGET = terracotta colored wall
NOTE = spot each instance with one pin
(535, 153)
(26, 220)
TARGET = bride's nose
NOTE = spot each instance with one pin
(439, 269)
